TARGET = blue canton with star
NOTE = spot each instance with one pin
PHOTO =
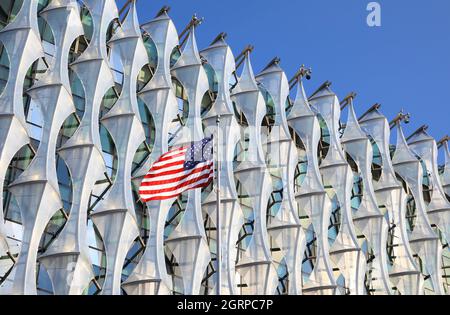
(198, 152)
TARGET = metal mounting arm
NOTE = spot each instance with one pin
(219, 37)
(164, 9)
(347, 100)
(324, 85)
(441, 142)
(419, 130)
(274, 61)
(399, 118)
(241, 57)
(301, 73)
(374, 107)
(195, 21)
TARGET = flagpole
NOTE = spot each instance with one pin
(218, 227)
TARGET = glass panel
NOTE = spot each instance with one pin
(8, 11)
(4, 68)
(86, 20)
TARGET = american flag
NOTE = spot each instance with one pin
(178, 170)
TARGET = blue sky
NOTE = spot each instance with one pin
(405, 63)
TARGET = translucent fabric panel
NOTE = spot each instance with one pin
(221, 67)
(424, 240)
(188, 241)
(115, 216)
(369, 219)
(337, 174)
(255, 263)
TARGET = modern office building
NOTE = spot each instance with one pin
(310, 202)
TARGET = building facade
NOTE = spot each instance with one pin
(310, 202)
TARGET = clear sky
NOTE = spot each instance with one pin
(405, 63)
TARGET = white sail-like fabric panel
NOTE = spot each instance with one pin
(150, 275)
(423, 239)
(220, 57)
(312, 197)
(37, 190)
(308, 205)
(438, 209)
(115, 217)
(82, 154)
(446, 173)
(368, 219)
(404, 273)
(255, 264)
(336, 173)
(284, 226)
(67, 259)
(188, 241)
(20, 39)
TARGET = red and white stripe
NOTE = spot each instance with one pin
(167, 178)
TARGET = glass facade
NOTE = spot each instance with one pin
(279, 260)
